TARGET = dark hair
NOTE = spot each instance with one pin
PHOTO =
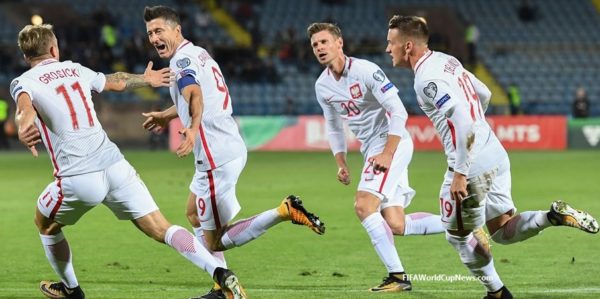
(410, 25)
(318, 27)
(160, 11)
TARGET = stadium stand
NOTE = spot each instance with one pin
(548, 48)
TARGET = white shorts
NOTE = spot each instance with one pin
(118, 187)
(391, 187)
(489, 197)
(216, 201)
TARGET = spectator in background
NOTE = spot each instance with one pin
(527, 12)
(3, 120)
(471, 38)
(290, 106)
(581, 105)
(514, 99)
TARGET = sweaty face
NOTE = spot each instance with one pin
(326, 46)
(396, 47)
(163, 36)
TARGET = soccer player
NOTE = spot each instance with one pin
(54, 106)
(477, 184)
(358, 91)
(203, 104)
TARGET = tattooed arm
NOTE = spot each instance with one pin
(121, 81)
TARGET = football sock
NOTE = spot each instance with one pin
(188, 246)
(246, 230)
(522, 227)
(422, 224)
(199, 232)
(59, 255)
(478, 260)
(383, 241)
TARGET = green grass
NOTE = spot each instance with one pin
(114, 260)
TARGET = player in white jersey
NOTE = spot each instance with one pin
(203, 104)
(477, 184)
(357, 91)
(54, 106)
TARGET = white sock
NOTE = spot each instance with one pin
(59, 255)
(422, 223)
(382, 239)
(477, 259)
(246, 230)
(522, 227)
(188, 246)
(199, 232)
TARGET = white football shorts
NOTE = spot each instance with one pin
(391, 187)
(118, 187)
(489, 197)
(216, 201)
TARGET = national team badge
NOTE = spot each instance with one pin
(355, 91)
(181, 63)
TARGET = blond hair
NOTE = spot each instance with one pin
(318, 27)
(35, 40)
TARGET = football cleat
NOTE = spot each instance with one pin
(230, 285)
(502, 293)
(214, 293)
(483, 238)
(562, 213)
(58, 290)
(291, 208)
(393, 283)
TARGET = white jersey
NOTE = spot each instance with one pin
(455, 101)
(367, 100)
(219, 140)
(61, 95)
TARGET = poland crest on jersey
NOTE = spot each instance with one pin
(355, 91)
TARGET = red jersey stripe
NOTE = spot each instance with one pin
(452, 133)
(58, 201)
(206, 149)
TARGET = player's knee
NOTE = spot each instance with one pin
(364, 206)
(215, 245)
(361, 210)
(193, 219)
(397, 227)
(47, 227)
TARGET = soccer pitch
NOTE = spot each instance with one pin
(114, 260)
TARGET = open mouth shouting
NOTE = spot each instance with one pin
(161, 48)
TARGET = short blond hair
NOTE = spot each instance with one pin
(318, 27)
(35, 40)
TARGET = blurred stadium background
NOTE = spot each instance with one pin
(546, 49)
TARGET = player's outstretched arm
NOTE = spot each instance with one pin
(158, 120)
(28, 132)
(121, 81)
